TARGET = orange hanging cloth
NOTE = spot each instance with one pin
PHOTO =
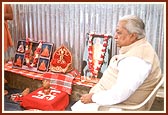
(7, 36)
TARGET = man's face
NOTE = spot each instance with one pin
(122, 36)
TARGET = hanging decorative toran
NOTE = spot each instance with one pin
(36, 53)
(95, 70)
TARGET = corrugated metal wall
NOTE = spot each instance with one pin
(68, 24)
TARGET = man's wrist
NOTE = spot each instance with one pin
(91, 94)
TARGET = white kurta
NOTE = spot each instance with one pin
(132, 73)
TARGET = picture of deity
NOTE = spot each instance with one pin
(61, 60)
(45, 52)
(18, 60)
(21, 47)
(43, 64)
(33, 55)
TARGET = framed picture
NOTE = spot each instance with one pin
(43, 64)
(21, 46)
(18, 60)
(32, 53)
(98, 51)
(46, 50)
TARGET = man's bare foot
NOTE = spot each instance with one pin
(5, 92)
(5, 81)
(25, 92)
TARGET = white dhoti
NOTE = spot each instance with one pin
(91, 107)
(81, 107)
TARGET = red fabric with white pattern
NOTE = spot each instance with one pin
(56, 100)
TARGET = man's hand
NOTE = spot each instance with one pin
(86, 98)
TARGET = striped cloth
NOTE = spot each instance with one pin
(26, 73)
(61, 81)
(56, 79)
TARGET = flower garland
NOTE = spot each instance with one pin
(36, 53)
(94, 70)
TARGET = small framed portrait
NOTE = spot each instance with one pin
(43, 64)
(46, 49)
(21, 46)
(18, 60)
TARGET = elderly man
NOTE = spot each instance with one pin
(131, 75)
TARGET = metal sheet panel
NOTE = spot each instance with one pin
(68, 24)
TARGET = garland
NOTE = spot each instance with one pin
(94, 71)
(36, 53)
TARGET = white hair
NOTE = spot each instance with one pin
(134, 25)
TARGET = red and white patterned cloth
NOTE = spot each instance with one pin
(29, 74)
(34, 75)
(61, 81)
(87, 83)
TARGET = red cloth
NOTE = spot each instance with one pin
(16, 97)
(56, 100)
